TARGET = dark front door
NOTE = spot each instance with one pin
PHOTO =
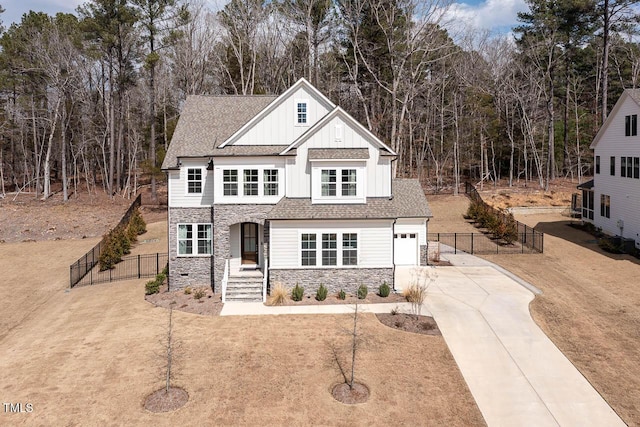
(249, 243)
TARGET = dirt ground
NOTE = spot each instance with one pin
(90, 356)
(503, 196)
(590, 306)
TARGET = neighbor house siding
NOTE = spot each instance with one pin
(178, 196)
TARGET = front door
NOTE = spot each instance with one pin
(249, 243)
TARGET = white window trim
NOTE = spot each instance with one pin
(295, 112)
(237, 182)
(203, 174)
(339, 234)
(316, 183)
(243, 198)
(194, 240)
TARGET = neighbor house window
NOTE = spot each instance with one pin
(349, 182)
(194, 239)
(597, 164)
(631, 125)
(612, 166)
(623, 166)
(301, 113)
(270, 182)
(629, 167)
(329, 249)
(230, 182)
(250, 182)
(636, 167)
(308, 249)
(349, 249)
(328, 182)
(194, 180)
(587, 204)
(605, 206)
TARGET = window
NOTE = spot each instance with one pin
(194, 243)
(612, 166)
(605, 206)
(270, 182)
(350, 249)
(329, 249)
(629, 167)
(623, 166)
(230, 182)
(587, 204)
(597, 164)
(251, 182)
(308, 249)
(636, 167)
(301, 113)
(631, 125)
(194, 180)
(328, 182)
(348, 182)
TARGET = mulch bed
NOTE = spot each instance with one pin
(371, 298)
(358, 394)
(425, 325)
(163, 401)
(209, 304)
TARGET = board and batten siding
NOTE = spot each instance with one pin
(378, 168)
(375, 241)
(279, 127)
(624, 191)
(177, 186)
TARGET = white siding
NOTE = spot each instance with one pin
(241, 163)
(624, 191)
(407, 225)
(378, 168)
(178, 196)
(375, 241)
(280, 127)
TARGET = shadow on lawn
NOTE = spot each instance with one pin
(566, 230)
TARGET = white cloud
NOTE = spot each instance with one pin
(497, 16)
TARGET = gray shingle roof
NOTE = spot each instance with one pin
(408, 201)
(338, 153)
(207, 121)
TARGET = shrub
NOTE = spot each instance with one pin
(199, 293)
(342, 295)
(187, 290)
(278, 295)
(321, 294)
(415, 293)
(384, 290)
(152, 287)
(136, 226)
(362, 291)
(395, 311)
(109, 256)
(297, 293)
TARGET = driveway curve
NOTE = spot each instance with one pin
(514, 371)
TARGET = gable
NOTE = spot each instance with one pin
(277, 123)
(613, 129)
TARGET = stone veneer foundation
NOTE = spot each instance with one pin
(333, 279)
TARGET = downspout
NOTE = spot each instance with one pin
(393, 253)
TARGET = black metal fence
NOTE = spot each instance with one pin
(85, 263)
(529, 239)
(483, 244)
(131, 267)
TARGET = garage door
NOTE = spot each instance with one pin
(405, 249)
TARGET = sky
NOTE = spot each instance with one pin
(497, 16)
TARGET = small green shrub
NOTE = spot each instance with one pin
(199, 293)
(342, 295)
(384, 290)
(297, 293)
(152, 287)
(362, 291)
(321, 294)
(136, 225)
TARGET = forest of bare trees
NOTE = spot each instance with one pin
(90, 99)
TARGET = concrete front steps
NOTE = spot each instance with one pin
(244, 286)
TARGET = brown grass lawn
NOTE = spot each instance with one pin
(90, 357)
(590, 306)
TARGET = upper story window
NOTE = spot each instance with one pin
(636, 167)
(612, 166)
(230, 182)
(194, 180)
(302, 111)
(251, 182)
(626, 167)
(349, 182)
(631, 125)
(328, 182)
(270, 182)
(597, 164)
(338, 183)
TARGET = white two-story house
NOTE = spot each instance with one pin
(611, 201)
(288, 189)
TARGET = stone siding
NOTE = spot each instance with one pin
(187, 271)
(333, 279)
(424, 259)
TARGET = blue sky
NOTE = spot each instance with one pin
(498, 16)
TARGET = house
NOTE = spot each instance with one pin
(288, 189)
(611, 201)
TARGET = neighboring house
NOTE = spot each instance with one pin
(611, 201)
(288, 189)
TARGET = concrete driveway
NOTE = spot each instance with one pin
(515, 373)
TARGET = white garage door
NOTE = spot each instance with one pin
(405, 249)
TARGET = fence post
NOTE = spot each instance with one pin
(157, 262)
(138, 266)
(472, 243)
(455, 243)
(91, 277)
